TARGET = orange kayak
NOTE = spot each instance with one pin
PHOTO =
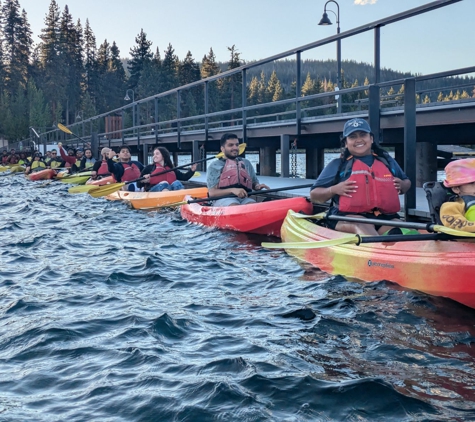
(437, 267)
(261, 217)
(142, 200)
(42, 175)
(101, 182)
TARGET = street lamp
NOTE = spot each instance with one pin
(326, 21)
(127, 98)
(80, 115)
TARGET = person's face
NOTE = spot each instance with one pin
(78, 154)
(71, 153)
(88, 153)
(467, 189)
(359, 143)
(231, 148)
(157, 156)
(124, 155)
(54, 154)
(48, 153)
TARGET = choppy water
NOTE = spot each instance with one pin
(117, 315)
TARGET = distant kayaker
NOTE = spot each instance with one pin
(364, 182)
(100, 169)
(459, 212)
(87, 161)
(155, 181)
(125, 170)
(69, 159)
(232, 175)
(55, 160)
(36, 165)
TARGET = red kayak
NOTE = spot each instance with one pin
(42, 175)
(261, 217)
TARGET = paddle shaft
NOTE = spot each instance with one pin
(401, 238)
(254, 192)
(394, 223)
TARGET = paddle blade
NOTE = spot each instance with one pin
(452, 232)
(82, 188)
(106, 190)
(64, 129)
(242, 148)
(312, 245)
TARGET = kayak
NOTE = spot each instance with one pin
(42, 175)
(101, 182)
(261, 218)
(78, 179)
(436, 267)
(142, 200)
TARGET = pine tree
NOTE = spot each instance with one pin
(17, 44)
(38, 111)
(253, 91)
(209, 67)
(90, 65)
(169, 80)
(191, 99)
(231, 87)
(141, 55)
(53, 82)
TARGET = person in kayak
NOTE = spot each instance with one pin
(87, 161)
(55, 161)
(100, 169)
(69, 159)
(459, 212)
(232, 175)
(156, 182)
(125, 170)
(36, 165)
(364, 182)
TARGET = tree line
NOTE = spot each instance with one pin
(67, 77)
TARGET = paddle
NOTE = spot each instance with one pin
(111, 188)
(432, 228)
(231, 195)
(355, 240)
(83, 188)
(66, 130)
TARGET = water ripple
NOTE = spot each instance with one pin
(113, 314)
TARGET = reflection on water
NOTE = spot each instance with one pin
(113, 314)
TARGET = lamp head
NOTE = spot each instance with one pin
(325, 20)
(127, 98)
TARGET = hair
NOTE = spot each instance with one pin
(125, 147)
(166, 156)
(227, 136)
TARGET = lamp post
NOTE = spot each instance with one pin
(127, 98)
(80, 115)
(326, 21)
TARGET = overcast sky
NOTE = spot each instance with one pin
(436, 41)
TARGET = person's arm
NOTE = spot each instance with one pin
(452, 214)
(146, 172)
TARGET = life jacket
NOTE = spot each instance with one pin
(376, 191)
(55, 163)
(169, 177)
(469, 201)
(37, 165)
(5, 159)
(89, 162)
(235, 175)
(131, 172)
(13, 159)
(103, 169)
(22, 162)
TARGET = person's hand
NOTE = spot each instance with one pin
(260, 186)
(397, 185)
(240, 193)
(146, 178)
(60, 144)
(345, 188)
(193, 167)
(111, 154)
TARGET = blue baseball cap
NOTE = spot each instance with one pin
(355, 124)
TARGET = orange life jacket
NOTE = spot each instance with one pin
(169, 177)
(235, 175)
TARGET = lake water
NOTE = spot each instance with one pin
(110, 314)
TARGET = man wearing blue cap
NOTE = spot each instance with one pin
(364, 182)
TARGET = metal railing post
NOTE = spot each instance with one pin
(410, 142)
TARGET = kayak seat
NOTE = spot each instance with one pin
(436, 194)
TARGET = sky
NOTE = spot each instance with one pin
(433, 42)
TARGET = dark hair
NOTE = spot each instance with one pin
(227, 136)
(166, 156)
(125, 147)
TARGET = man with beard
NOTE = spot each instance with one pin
(232, 175)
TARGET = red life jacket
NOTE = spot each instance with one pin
(235, 175)
(375, 191)
(169, 177)
(103, 169)
(131, 172)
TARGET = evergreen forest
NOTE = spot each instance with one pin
(69, 76)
